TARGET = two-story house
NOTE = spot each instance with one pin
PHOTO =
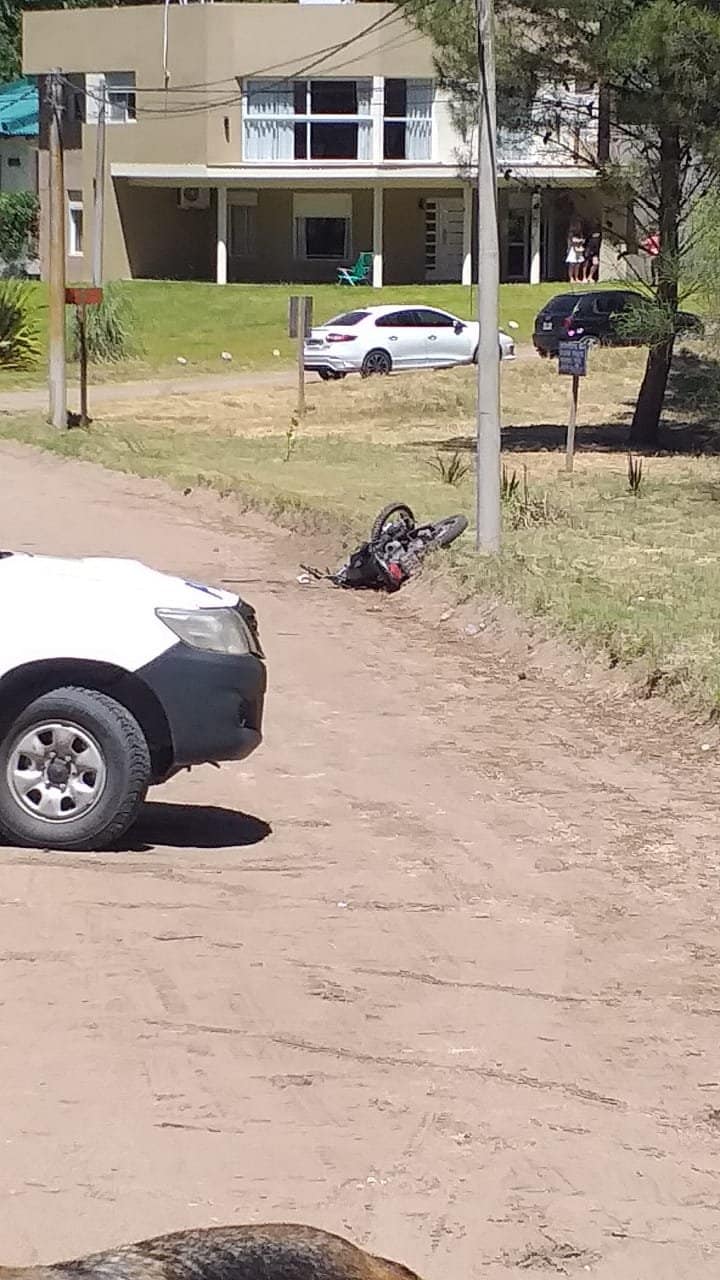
(275, 142)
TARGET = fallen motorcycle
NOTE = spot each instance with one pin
(394, 550)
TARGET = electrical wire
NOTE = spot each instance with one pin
(318, 58)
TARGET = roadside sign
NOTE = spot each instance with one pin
(83, 295)
(572, 361)
(300, 308)
(572, 358)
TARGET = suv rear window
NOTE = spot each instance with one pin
(561, 305)
(347, 319)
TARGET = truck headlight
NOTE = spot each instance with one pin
(213, 630)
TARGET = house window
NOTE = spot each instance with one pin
(75, 105)
(75, 224)
(242, 217)
(120, 96)
(308, 120)
(407, 133)
(323, 227)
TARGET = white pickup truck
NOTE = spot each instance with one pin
(113, 677)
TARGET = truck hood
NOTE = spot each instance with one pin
(24, 576)
(94, 609)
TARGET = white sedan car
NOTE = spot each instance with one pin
(380, 340)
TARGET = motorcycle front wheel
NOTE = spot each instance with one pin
(394, 514)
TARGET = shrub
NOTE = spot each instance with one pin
(450, 470)
(109, 328)
(18, 225)
(19, 336)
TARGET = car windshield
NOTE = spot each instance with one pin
(347, 319)
(561, 305)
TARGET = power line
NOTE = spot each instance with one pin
(321, 55)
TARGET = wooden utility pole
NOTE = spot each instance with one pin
(488, 366)
(300, 318)
(99, 191)
(56, 257)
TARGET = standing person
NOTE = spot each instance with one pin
(575, 253)
(651, 245)
(591, 263)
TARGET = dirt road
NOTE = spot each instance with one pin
(449, 984)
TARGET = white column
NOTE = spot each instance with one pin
(467, 233)
(377, 274)
(222, 230)
(535, 238)
(377, 110)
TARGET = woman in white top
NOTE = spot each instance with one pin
(575, 253)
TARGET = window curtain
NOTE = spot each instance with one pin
(268, 134)
(418, 131)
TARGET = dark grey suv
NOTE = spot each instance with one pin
(594, 316)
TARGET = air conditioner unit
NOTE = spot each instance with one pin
(194, 197)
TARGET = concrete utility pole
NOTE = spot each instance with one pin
(56, 257)
(488, 367)
(99, 191)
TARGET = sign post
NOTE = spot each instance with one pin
(300, 317)
(572, 362)
(82, 297)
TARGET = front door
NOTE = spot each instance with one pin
(517, 246)
(444, 238)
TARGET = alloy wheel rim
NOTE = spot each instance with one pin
(56, 772)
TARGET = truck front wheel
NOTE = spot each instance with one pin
(74, 771)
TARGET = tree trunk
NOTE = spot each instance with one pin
(645, 429)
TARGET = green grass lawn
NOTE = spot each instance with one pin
(637, 578)
(199, 321)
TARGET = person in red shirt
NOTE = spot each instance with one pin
(651, 245)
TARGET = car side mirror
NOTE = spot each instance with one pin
(458, 326)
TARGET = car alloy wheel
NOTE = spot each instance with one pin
(56, 771)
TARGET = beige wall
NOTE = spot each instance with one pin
(212, 43)
(206, 43)
(161, 240)
(22, 177)
(405, 234)
(153, 238)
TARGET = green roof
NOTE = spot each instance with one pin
(19, 109)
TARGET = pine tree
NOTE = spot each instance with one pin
(658, 62)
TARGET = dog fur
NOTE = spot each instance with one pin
(275, 1251)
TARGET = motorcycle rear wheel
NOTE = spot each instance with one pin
(445, 531)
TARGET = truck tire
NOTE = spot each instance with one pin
(74, 771)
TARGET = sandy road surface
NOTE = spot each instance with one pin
(450, 985)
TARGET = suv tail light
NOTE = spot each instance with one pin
(567, 322)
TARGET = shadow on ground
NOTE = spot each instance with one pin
(188, 826)
(691, 420)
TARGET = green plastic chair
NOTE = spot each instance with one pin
(359, 273)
